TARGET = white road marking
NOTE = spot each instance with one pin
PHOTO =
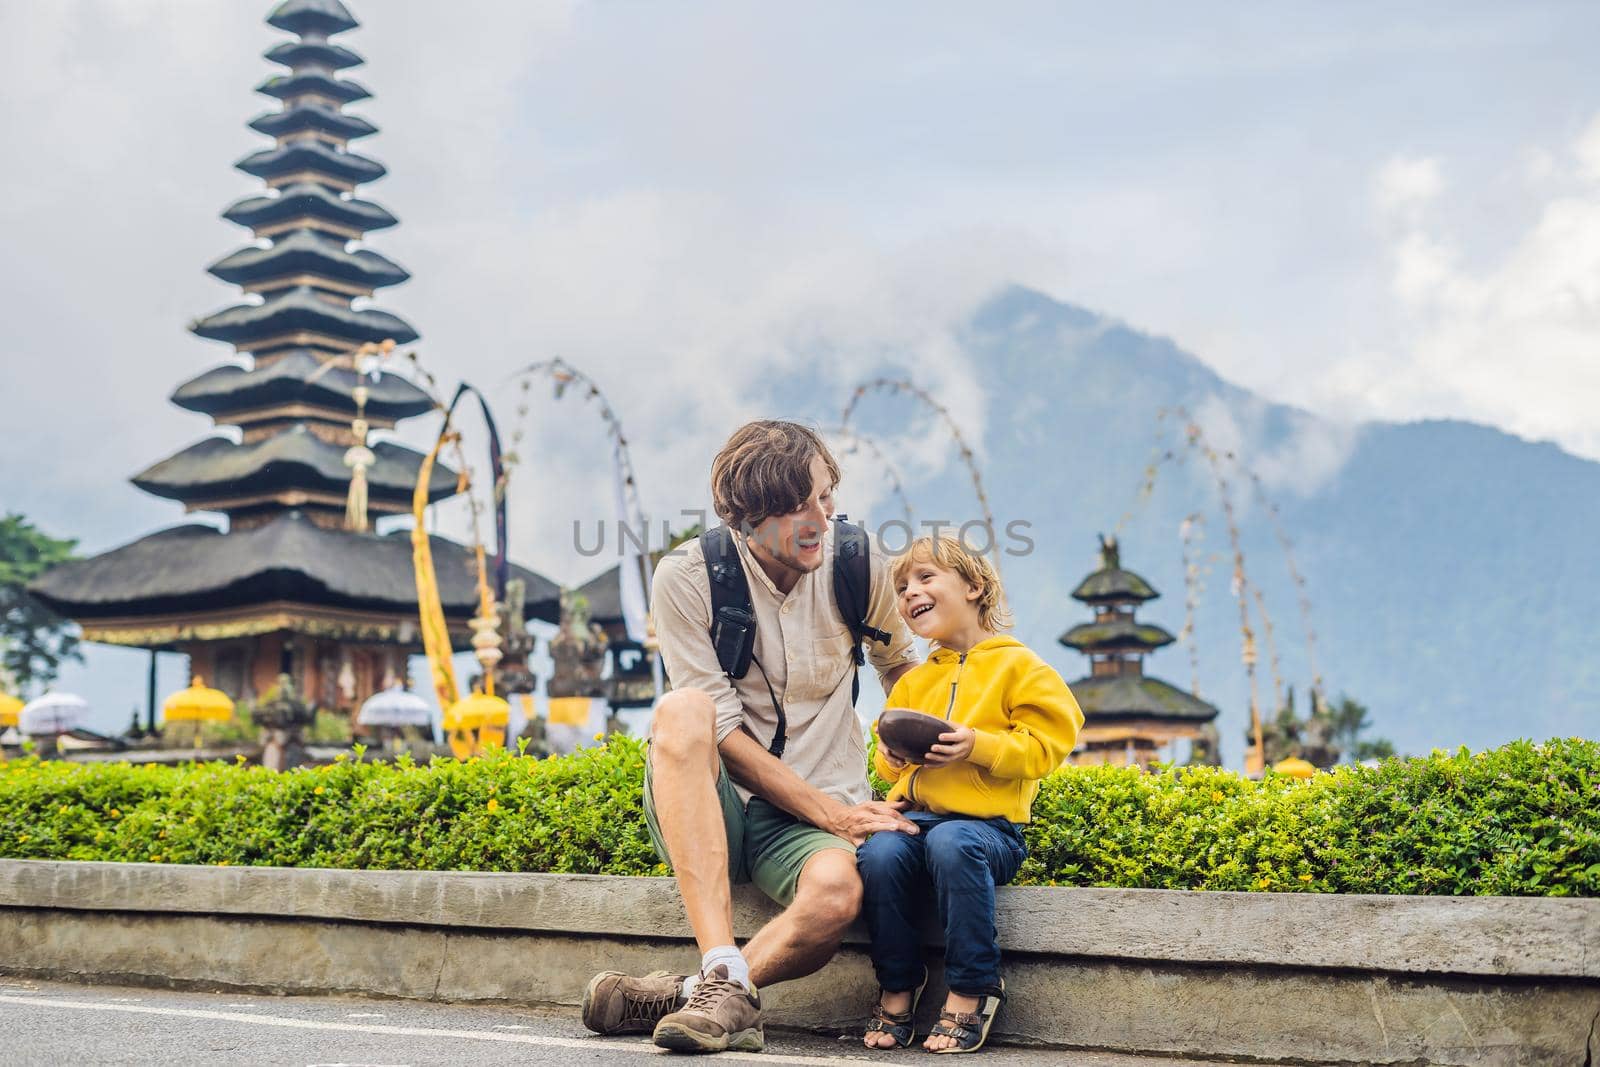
(366, 1015)
(513, 1028)
(635, 1047)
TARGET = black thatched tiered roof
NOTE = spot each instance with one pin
(216, 470)
(309, 204)
(297, 55)
(1111, 584)
(313, 158)
(305, 252)
(317, 117)
(312, 18)
(1115, 635)
(1119, 699)
(196, 568)
(299, 377)
(273, 323)
(603, 595)
(313, 83)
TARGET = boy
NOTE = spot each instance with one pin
(1013, 722)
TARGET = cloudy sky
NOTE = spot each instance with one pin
(1370, 210)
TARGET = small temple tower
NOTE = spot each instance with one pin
(297, 584)
(1129, 717)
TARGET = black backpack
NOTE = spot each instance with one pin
(733, 622)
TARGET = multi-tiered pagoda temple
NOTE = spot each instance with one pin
(294, 583)
(1129, 718)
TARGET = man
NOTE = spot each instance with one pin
(720, 806)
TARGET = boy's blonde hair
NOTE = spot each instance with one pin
(949, 554)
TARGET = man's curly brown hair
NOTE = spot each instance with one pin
(764, 469)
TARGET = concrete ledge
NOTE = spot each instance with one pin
(1307, 978)
(1530, 936)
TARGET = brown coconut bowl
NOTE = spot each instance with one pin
(910, 734)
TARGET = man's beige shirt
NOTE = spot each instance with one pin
(804, 645)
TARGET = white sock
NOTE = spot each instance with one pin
(727, 956)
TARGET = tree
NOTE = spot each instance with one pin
(1349, 718)
(1329, 733)
(1377, 748)
(34, 641)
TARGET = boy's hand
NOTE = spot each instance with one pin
(953, 746)
(891, 757)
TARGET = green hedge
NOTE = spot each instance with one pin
(1520, 820)
(495, 813)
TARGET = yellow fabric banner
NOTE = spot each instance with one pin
(435, 633)
(570, 711)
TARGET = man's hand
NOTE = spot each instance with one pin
(953, 746)
(860, 821)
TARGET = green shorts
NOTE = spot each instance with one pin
(766, 845)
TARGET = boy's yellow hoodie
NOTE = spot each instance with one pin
(1024, 718)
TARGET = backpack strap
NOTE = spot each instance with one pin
(852, 591)
(730, 597)
(733, 620)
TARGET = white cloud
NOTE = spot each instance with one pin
(1587, 150)
(1406, 185)
(1287, 449)
(688, 340)
(1511, 339)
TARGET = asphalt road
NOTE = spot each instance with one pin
(49, 1023)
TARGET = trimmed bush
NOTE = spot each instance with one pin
(1522, 820)
(494, 813)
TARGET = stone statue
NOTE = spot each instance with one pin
(1310, 739)
(512, 674)
(1206, 749)
(579, 651)
(283, 717)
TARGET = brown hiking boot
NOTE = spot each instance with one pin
(614, 1003)
(721, 1015)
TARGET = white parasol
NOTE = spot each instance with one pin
(53, 713)
(395, 706)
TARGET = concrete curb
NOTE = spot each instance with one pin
(1306, 977)
(1526, 936)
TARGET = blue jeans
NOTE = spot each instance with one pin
(955, 863)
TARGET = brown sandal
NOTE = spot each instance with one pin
(970, 1029)
(899, 1025)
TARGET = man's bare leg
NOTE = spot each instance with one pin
(809, 931)
(723, 1012)
(683, 782)
(683, 771)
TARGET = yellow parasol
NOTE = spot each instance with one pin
(198, 704)
(1294, 767)
(476, 719)
(10, 709)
